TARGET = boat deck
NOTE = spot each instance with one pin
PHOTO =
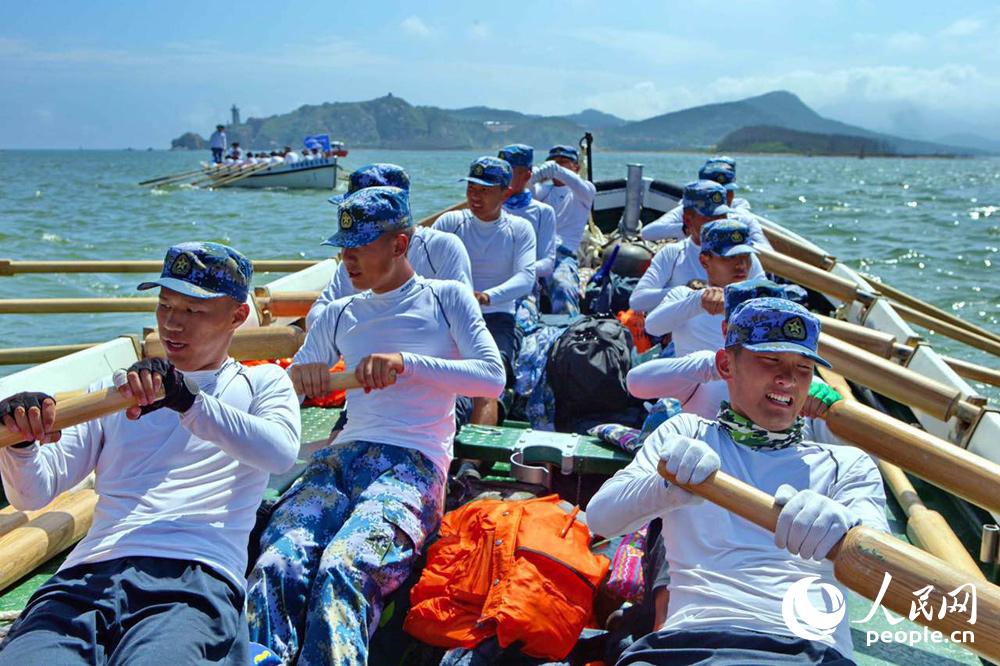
(589, 457)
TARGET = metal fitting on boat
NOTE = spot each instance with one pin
(634, 189)
(989, 543)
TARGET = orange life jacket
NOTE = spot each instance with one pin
(520, 570)
(635, 322)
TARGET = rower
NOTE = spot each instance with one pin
(521, 202)
(432, 253)
(728, 577)
(349, 531)
(679, 263)
(694, 316)
(693, 378)
(501, 247)
(572, 198)
(179, 481)
(722, 170)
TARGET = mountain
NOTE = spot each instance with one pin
(392, 122)
(969, 140)
(764, 139)
(702, 127)
(592, 119)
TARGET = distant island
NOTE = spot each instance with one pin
(775, 122)
(767, 139)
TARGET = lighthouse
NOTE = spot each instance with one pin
(236, 114)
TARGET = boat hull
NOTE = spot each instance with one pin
(312, 175)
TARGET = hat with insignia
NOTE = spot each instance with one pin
(374, 175)
(369, 213)
(205, 270)
(489, 171)
(739, 292)
(724, 159)
(726, 238)
(720, 172)
(774, 325)
(517, 155)
(569, 152)
(706, 197)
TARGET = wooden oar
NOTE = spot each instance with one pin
(787, 245)
(59, 526)
(228, 180)
(209, 175)
(941, 463)
(901, 384)
(845, 290)
(33, 355)
(290, 303)
(902, 298)
(11, 518)
(886, 346)
(248, 343)
(16, 267)
(925, 528)
(79, 409)
(864, 556)
(175, 176)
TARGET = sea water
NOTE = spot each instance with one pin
(930, 227)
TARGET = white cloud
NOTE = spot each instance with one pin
(962, 28)
(640, 101)
(905, 41)
(414, 25)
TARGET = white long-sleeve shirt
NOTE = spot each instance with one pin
(543, 220)
(170, 485)
(217, 140)
(726, 572)
(572, 201)
(694, 380)
(432, 254)
(674, 265)
(502, 255)
(668, 226)
(681, 314)
(446, 349)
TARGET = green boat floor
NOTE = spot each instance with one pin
(591, 456)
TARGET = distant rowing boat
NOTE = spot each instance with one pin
(318, 174)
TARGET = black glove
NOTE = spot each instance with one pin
(178, 393)
(27, 400)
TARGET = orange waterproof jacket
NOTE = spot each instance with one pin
(521, 570)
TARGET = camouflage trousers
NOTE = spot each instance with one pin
(341, 539)
(563, 288)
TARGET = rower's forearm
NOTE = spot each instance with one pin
(475, 378)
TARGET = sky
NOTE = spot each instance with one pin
(103, 74)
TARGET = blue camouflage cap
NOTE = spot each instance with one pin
(726, 238)
(720, 172)
(489, 171)
(369, 213)
(774, 325)
(205, 270)
(563, 150)
(724, 159)
(518, 155)
(374, 175)
(739, 292)
(706, 197)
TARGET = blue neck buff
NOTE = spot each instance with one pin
(519, 200)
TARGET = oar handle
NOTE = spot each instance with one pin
(346, 380)
(79, 409)
(733, 495)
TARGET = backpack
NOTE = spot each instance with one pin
(586, 369)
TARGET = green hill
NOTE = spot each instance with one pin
(764, 139)
(392, 122)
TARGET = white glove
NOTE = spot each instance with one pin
(810, 524)
(691, 461)
(544, 172)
